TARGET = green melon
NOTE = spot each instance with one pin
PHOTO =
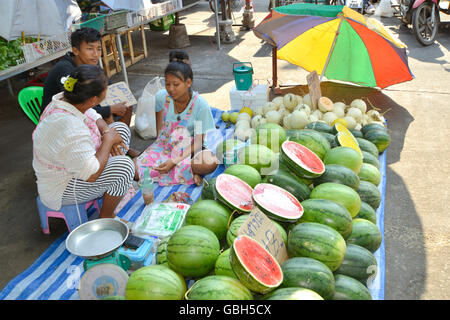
(359, 263)
(313, 140)
(155, 282)
(223, 265)
(254, 266)
(308, 273)
(270, 135)
(210, 214)
(218, 287)
(292, 294)
(338, 174)
(371, 159)
(367, 212)
(347, 288)
(380, 138)
(290, 182)
(317, 241)
(344, 156)
(329, 213)
(257, 156)
(365, 234)
(339, 193)
(192, 251)
(370, 173)
(366, 145)
(245, 173)
(369, 193)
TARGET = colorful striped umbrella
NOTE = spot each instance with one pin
(337, 42)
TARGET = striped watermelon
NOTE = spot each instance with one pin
(329, 213)
(369, 193)
(308, 273)
(300, 160)
(155, 282)
(209, 189)
(234, 192)
(317, 241)
(218, 287)
(292, 294)
(245, 173)
(209, 214)
(367, 212)
(359, 263)
(371, 159)
(255, 267)
(161, 252)
(223, 265)
(347, 288)
(372, 126)
(318, 126)
(370, 173)
(234, 227)
(365, 234)
(313, 140)
(338, 174)
(289, 182)
(366, 145)
(380, 138)
(270, 135)
(339, 193)
(192, 251)
(277, 203)
(344, 156)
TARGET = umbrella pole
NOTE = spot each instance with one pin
(274, 68)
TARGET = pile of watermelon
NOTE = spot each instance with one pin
(319, 189)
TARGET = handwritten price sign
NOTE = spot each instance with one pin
(117, 93)
(314, 88)
(259, 227)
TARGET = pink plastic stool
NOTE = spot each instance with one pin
(69, 213)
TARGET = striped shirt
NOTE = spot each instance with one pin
(62, 149)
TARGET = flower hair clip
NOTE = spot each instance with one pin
(68, 83)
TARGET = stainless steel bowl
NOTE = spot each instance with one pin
(97, 238)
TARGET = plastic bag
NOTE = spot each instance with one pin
(384, 9)
(145, 121)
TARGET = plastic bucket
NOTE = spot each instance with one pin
(243, 75)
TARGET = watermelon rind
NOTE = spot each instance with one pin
(365, 234)
(296, 165)
(308, 273)
(155, 282)
(279, 216)
(218, 287)
(246, 173)
(192, 251)
(313, 140)
(359, 263)
(245, 276)
(347, 288)
(292, 294)
(317, 241)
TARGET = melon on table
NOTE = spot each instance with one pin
(277, 203)
(255, 267)
(234, 192)
(301, 160)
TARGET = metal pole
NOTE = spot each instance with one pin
(217, 24)
(121, 58)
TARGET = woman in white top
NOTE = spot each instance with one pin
(77, 157)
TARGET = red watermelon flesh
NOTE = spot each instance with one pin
(235, 191)
(303, 157)
(277, 201)
(258, 261)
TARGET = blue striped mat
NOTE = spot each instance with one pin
(56, 273)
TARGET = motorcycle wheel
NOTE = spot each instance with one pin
(424, 30)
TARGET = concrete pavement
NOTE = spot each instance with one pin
(417, 224)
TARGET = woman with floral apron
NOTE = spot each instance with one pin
(177, 156)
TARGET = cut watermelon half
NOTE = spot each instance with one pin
(277, 203)
(255, 267)
(301, 160)
(234, 192)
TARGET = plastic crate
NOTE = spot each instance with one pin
(162, 24)
(116, 20)
(91, 20)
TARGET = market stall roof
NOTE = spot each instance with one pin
(337, 42)
(37, 17)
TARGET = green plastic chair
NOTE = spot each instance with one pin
(30, 99)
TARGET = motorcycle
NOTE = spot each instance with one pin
(424, 17)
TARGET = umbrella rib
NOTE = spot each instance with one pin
(332, 48)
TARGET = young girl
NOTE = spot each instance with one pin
(182, 119)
